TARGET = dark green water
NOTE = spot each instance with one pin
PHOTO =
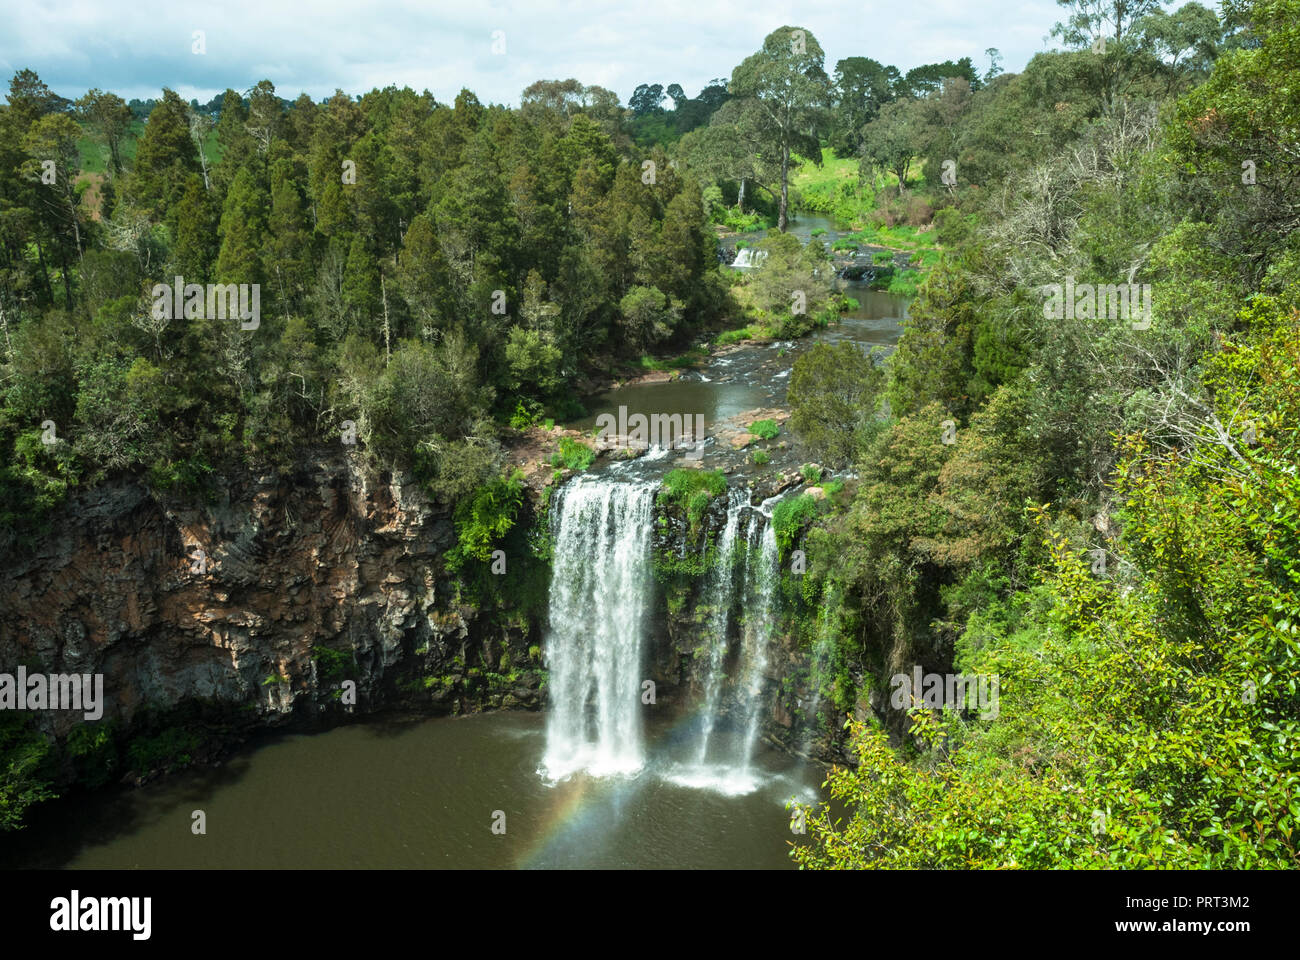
(423, 795)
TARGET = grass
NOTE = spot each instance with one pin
(691, 491)
(735, 336)
(905, 283)
(733, 220)
(899, 237)
(833, 188)
(94, 154)
(691, 358)
(573, 454)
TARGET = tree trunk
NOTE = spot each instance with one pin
(781, 220)
(76, 227)
(67, 280)
(45, 271)
(4, 324)
(383, 292)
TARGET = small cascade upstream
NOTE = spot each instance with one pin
(600, 595)
(748, 257)
(720, 597)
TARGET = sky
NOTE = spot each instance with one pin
(495, 49)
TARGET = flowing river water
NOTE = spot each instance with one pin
(428, 792)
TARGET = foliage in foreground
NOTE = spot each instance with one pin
(1149, 719)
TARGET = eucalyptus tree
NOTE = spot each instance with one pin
(784, 94)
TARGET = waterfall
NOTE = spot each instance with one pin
(762, 577)
(600, 594)
(749, 257)
(719, 592)
(823, 649)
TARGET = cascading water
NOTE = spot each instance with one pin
(749, 258)
(720, 596)
(600, 593)
(761, 578)
(821, 658)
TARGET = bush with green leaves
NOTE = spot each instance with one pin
(1111, 687)
(691, 490)
(24, 777)
(790, 517)
(485, 516)
(834, 394)
(573, 455)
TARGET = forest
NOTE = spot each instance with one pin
(1104, 514)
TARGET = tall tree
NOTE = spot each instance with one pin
(786, 92)
(893, 139)
(862, 86)
(107, 115)
(165, 157)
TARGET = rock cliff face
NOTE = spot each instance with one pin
(683, 632)
(266, 599)
(308, 597)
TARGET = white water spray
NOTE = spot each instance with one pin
(600, 593)
(720, 597)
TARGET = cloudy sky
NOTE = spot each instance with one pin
(135, 48)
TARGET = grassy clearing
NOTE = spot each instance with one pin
(691, 358)
(94, 154)
(834, 188)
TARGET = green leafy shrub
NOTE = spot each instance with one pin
(790, 517)
(764, 429)
(23, 778)
(485, 516)
(573, 454)
(691, 490)
(333, 666)
(526, 414)
(93, 747)
(169, 750)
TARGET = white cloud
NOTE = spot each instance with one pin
(136, 48)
